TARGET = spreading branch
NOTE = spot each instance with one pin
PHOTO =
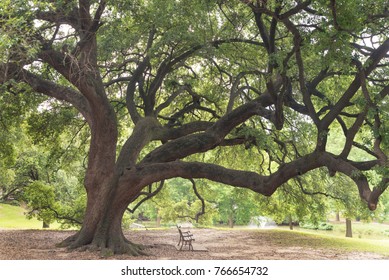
(212, 137)
(147, 195)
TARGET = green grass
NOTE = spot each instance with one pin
(368, 237)
(361, 230)
(12, 217)
(324, 241)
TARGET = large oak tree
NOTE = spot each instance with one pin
(194, 76)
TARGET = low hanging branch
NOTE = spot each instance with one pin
(6, 195)
(56, 214)
(202, 211)
(61, 217)
(304, 191)
(148, 195)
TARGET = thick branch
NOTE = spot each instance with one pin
(377, 191)
(84, 15)
(212, 137)
(298, 8)
(370, 65)
(46, 87)
(171, 98)
(301, 71)
(261, 184)
(96, 20)
(130, 93)
(201, 142)
(265, 185)
(262, 30)
(169, 63)
(143, 133)
(364, 165)
(350, 135)
(59, 92)
(166, 134)
(235, 88)
(58, 17)
(337, 164)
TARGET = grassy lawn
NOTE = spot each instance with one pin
(12, 217)
(319, 240)
(360, 230)
(363, 230)
(368, 237)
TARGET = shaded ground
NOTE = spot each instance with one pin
(221, 244)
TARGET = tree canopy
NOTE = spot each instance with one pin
(191, 89)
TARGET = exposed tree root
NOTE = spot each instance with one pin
(68, 241)
(106, 247)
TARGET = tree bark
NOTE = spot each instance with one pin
(337, 217)
(102, 226)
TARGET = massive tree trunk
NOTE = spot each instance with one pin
(102, 226)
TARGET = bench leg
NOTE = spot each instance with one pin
(184, 242)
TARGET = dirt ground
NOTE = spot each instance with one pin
(220, 245)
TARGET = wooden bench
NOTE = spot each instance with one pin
(186, 239)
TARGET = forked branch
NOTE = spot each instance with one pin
(148, 195)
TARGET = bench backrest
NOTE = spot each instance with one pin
(179, 230)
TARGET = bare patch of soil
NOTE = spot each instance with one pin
(160, 245)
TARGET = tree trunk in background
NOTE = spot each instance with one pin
(338, 216)
(290, 222)
(158, 221)
(349, 232)
(45, 225)
(231, 221)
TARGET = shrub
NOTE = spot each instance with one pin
(325, 226)
(319, 226)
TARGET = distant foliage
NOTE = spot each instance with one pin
(319, 226)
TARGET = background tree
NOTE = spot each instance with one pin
(185, 77)
(40, 199)
(177, 200)
(42, 142)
